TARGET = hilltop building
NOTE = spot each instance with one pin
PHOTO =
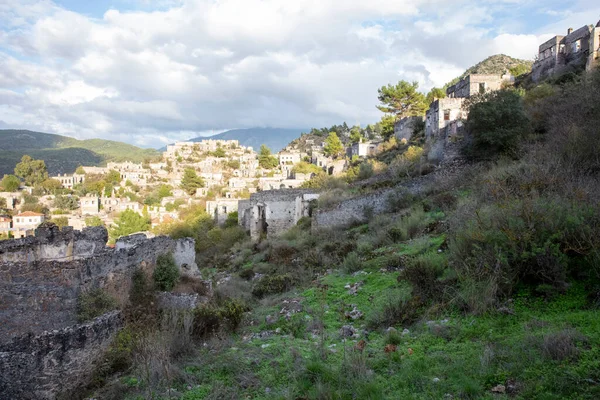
(68, 181)
(577, 50)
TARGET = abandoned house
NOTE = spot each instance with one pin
(474, 84)
(404, 128)
(220, 208)
(441, 113)
(272, 212)
(575, 51)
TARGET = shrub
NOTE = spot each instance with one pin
(536, 242)
(497, 123)
(212, 318)
(166, 273)
(398, 308)
(423, 273)
(93, 304)
(272, 284)
(352, 263)
(399, 199)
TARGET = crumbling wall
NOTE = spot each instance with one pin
(352, 210)
(42, 276)
(37, 367)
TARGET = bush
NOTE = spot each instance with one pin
(352, 263)
(166, 273)
(497, 123)
(94, 303)
(424, 273)
(539, 241)
(212, 318)
(272, 285)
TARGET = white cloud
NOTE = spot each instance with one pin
(189, 66)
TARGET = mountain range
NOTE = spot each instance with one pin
(64, 154)
(274, 138)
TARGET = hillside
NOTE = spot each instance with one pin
(64, 154)
(497, 64)
(274, 138)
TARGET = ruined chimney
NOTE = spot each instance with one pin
(569, 31)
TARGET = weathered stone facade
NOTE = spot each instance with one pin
(403, 129)
(57, 362)
(577, 50)
(272, 212)
(43, 352)
(476, 84)
(441, 113)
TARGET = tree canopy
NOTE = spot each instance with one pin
(33, 172)
(10, 183)
(129, 222)
(333, 146)
(402, 100)
(191, 181)
(356, 134)
(434, 94)
(265, 159)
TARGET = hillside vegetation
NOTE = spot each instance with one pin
(485, 285)
(64, 154)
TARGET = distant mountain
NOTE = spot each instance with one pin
(64, 154)
(274, 138)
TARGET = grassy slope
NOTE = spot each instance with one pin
(63, 154)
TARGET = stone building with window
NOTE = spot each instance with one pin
(577, 50)
(24, 224)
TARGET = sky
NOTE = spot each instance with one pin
(149, 72)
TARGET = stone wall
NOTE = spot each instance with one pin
(42, 276)
(272, 212)
(39, 367)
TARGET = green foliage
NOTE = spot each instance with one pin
(113, 177)
(520, 69)
(265, 159)
(94, 303)
(80, 170)
(233, 164)
(435, 94)
(498, 124)
(33, 172)
(333, 146)
(232, 220)
(93, 221)
(61, 221)
(10, 183)
(129, 222)
(219, 152)
(272, 284)
(306, 168)
(356, 134)
(386, 126)
(66, 202)
(51, 186)
(166, 273)
(191, 181)
(402, 100)
(214, 317)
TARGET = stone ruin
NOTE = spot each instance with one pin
(43, 351)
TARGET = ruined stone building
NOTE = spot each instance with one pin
(89, 205)
(575, 51)
(219, 208)
(273, 212)
(68, 181)
(363, 149)
(403, 128)
(5, 225)
(25, 223)
(477, 84)
(442, 113)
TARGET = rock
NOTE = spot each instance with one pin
(405, 332)
(390, 348)
(347, 331)
(500, 389)
(436, 380)
(391, 330)
(354, 314)
(278, 330)
(270, 320)
(353, 288)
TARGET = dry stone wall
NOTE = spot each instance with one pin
(43, 351)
